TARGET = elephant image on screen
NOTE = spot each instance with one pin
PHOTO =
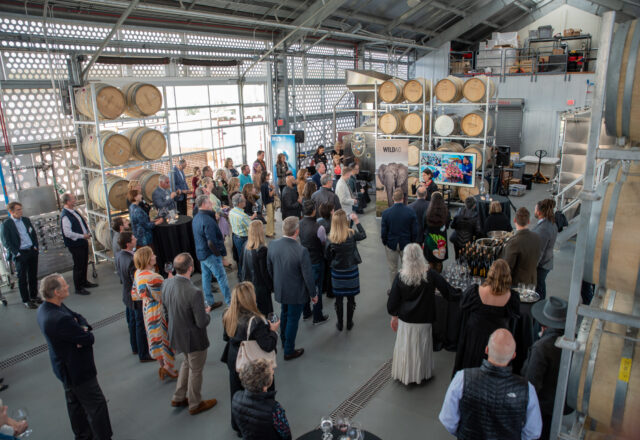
(392, 176)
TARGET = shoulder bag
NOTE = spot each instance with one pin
(250, 351)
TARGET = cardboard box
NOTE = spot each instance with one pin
(572, 32)
(514, 69)
(460, 66)
(544, 59)
(557, 51)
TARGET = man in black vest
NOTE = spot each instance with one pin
(313, 237)
(21, 241)
(490, 402)
(75, 234)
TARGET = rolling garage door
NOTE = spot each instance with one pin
(509, 126)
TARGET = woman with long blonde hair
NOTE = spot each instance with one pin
(243, 321)
(234, 186)
(412, 305)
(254, 266)
(485, 308)
(343, 257)
(147, 286)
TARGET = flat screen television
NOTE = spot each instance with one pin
(455, 169)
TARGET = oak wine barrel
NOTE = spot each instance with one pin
(416, 90)
(414, 154)
(605, 373)
(142, 99)
(148, 181)
(109, 100)
(472, 124)
(413, 122)
(447, 125)
(449, 89)
(391, 122)
(117, 189)
(390, 91)
(115, 148)
(477, 150)
(622, 95)
(103, 234)
(146, 143)
(452, 147)
(475, 89)
(470, 191)
(613, 255)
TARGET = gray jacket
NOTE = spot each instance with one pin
(548, 232)
(126, 271)
(289, 265)
(184, 307)
(325, 195)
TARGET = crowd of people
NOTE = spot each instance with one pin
(317, 255)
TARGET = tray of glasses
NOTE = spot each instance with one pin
(528, 295)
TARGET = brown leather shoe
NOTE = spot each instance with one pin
(215, 305)
(296, 354)
(178, 404)
(204, 405)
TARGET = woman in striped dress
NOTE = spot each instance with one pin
(148, 285)
(343, 256)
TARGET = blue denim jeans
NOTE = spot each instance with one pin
(541, 286)
(239, 243)
(213, 266)
(137, 332)
(289, 319)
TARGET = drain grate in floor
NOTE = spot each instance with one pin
(363, 395)
(43, 348)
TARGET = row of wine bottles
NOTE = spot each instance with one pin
(480, 258)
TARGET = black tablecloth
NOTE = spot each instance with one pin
(170, 240)
(483, 206)
(317, 434)
(446, 329)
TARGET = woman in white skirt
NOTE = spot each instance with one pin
(411, 305)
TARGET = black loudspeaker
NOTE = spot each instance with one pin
(503, 157)
(299, 134)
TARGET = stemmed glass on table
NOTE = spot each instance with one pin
(21, 414)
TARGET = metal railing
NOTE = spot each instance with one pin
(564, 203)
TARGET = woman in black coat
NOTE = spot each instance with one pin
(466, 225)
(290, 200)
(497, 220)
(412, 306)
(342, 253)
(254, 267)
(243, 321)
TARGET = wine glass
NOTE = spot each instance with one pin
(326, 425)
(343, 423)
(168, 268)
(355, 431)
(21, 414)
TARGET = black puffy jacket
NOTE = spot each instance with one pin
(467, 226)
(493, 404)
(345, 255)
(253, 412)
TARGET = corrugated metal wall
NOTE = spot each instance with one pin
(543, 99)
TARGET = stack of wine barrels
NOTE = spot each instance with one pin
(146, 143)
(622, 105)
(472, 124)
(413, 122)
(449, 89)
(391, 122)
(142, 99)
(475, 89)
(417, 90)
(116, 196)
(116, 148)
(103, 234)
(447, 125)
(390, 91)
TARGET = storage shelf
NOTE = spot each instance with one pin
(464, 104)
(160, 118)
(400, 136)
(462, 138)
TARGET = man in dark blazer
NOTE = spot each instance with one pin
(70, 341)
(522, 251)
(21, 241)
(289, 265)
(420, 207)
(180, 183)
(75, 233)
(133, 309)
(399, 228)
(188, 320)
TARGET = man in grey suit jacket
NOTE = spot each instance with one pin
(522, 251)
(548, 232)
(188, 320)
(289, 265)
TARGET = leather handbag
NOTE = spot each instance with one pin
(250, 351)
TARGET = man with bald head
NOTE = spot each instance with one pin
(490, 402)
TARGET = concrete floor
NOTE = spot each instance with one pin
(333, 367)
